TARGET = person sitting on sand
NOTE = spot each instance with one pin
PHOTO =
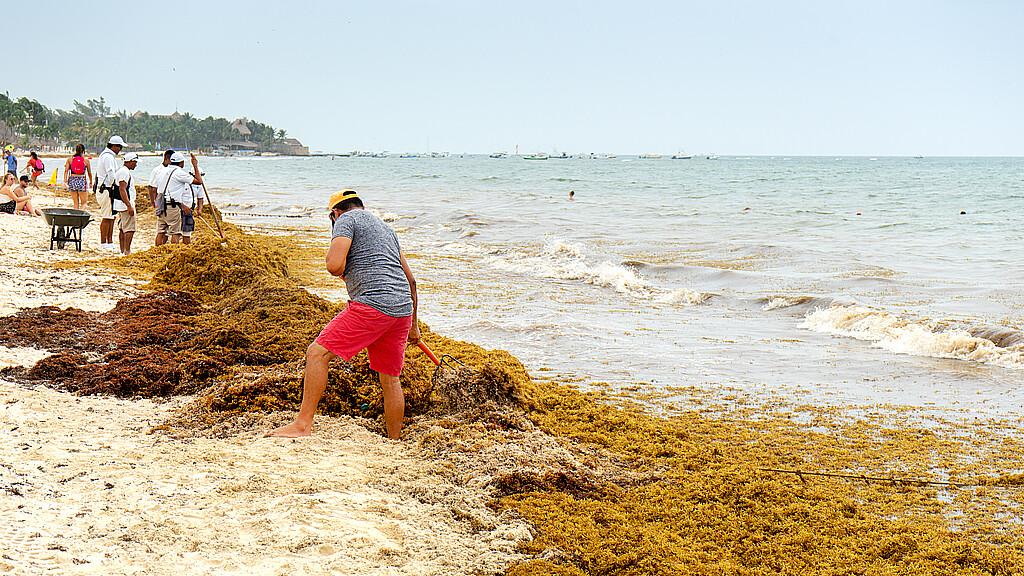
(380, 316)
(19, 200)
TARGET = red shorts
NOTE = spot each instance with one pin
(360, 326)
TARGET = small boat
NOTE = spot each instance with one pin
(499, 155)
(682, 156)
(537, 156)
(593, 156)
(561, 156)
(649, 156)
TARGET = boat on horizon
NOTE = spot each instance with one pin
(499, 155)
(649, 156)
(682, 156)
(536, 156)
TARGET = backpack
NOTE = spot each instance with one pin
(39, 165)
(78, 165)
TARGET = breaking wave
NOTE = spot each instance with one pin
(561, 260)
(1000, 347)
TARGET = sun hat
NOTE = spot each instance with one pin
(116, 140)
(177, 157)
(131, 156)
(341, 196)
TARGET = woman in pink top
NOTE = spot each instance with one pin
(75, 171)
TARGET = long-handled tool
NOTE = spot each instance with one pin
(445, 360)
(213, 211)
(429, 353)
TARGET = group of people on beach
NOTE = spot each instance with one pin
(176, 193)
(14, 189)
(364, 251)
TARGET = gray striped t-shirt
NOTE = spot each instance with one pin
(373, 270)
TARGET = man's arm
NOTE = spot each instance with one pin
(414, 332)
(337, 255)
(197, 179)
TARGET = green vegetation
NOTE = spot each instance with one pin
(28, 122)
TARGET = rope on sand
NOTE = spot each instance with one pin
(906, 481)
(265, 215)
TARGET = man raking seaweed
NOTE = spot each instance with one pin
(380, 316)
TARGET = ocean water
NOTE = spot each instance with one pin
(821, 280)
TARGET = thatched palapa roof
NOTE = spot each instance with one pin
(240, 125)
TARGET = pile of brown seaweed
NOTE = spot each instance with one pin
(221, 317)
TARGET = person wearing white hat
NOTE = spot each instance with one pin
(175, 189)
(108, 184)
(124, 204)
(194, 199)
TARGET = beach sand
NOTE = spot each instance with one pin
(87, 489)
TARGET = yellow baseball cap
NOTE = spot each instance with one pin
(341, 196)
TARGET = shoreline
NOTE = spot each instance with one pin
(219, 498)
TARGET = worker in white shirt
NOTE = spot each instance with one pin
(125, 204)
(175, 189)
(194, 199)
(154, 181)
(108, 182)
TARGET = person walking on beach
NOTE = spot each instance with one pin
(76, 169)
(12, 161)
(36, 165)
(108, 184)
(380, 316)
(125, 204)
(175, 187)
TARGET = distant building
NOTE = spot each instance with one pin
(289, 147)
(237, 146)
(239, 125)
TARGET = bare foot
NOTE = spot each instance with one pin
(292, 430)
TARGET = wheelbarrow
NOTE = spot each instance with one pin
(66, 225)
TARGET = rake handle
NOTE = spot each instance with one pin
(426, 350)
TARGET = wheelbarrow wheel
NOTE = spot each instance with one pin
(62, 236)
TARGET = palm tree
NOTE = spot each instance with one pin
(281, 134)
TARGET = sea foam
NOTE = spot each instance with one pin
(918, 338)
(562, 260)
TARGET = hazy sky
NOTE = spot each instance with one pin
(744, 77)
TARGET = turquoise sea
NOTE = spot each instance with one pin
(821, 279)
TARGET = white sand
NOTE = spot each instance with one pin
(88, 491)
(85, 489)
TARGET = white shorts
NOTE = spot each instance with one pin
(106, 206)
